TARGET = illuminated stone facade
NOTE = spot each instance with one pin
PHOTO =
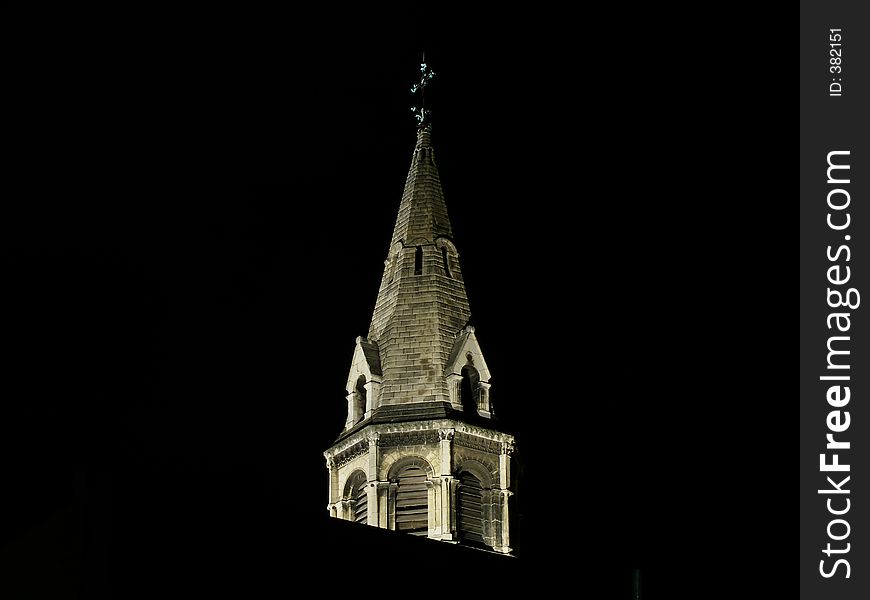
(421, 451)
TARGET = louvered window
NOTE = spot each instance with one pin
(470, 509)
(360, 500)
(361, 506)
(412, 503)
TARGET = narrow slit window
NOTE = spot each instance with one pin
(418, 261)
(446, 262)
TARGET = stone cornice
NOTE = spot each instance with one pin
(417, 433)
(350, 453)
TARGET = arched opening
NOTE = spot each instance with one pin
(446, 262)
(359, 498)
(412, 501)
(469, 510)
(360, 398)
(469, 389)
(418, 261)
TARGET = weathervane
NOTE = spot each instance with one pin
(422, 113)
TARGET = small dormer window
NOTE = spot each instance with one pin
(418, 261)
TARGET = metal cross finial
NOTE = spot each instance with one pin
(422, 113)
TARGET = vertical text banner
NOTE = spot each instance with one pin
(834, 300)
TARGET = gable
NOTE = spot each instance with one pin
(465, 345)
(366, 361)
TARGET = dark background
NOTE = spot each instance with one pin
(198, 221)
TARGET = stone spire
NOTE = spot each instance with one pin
(422, 306)
(422, 213)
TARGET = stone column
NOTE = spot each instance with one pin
(333, 486)
(446, 504)
(436, 509)
(504, 465)
(391, 505)
(483, 407)
(374, 458)
(372, 504)
(504, 476)
(351, 417)
(430, 502)
(505, 523)
(454, 486)
(446, 437)
(454, 380)
(383, 488)
(447, 507)
(372, 476)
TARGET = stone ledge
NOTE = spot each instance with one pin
(353, 442)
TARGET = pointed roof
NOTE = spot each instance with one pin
(422, 214)
(422, 305)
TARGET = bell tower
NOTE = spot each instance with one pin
(421, 451)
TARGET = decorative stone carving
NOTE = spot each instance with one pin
(446, 434)
(482, 432)
(351, 453)
(410, 438)
(478, 443)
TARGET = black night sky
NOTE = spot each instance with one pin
(195, 235)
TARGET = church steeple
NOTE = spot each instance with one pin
(419, 452)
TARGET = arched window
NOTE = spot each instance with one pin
(469, 509)
(359, 498)
(469, 389)
(360, 398)
(412, 501)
